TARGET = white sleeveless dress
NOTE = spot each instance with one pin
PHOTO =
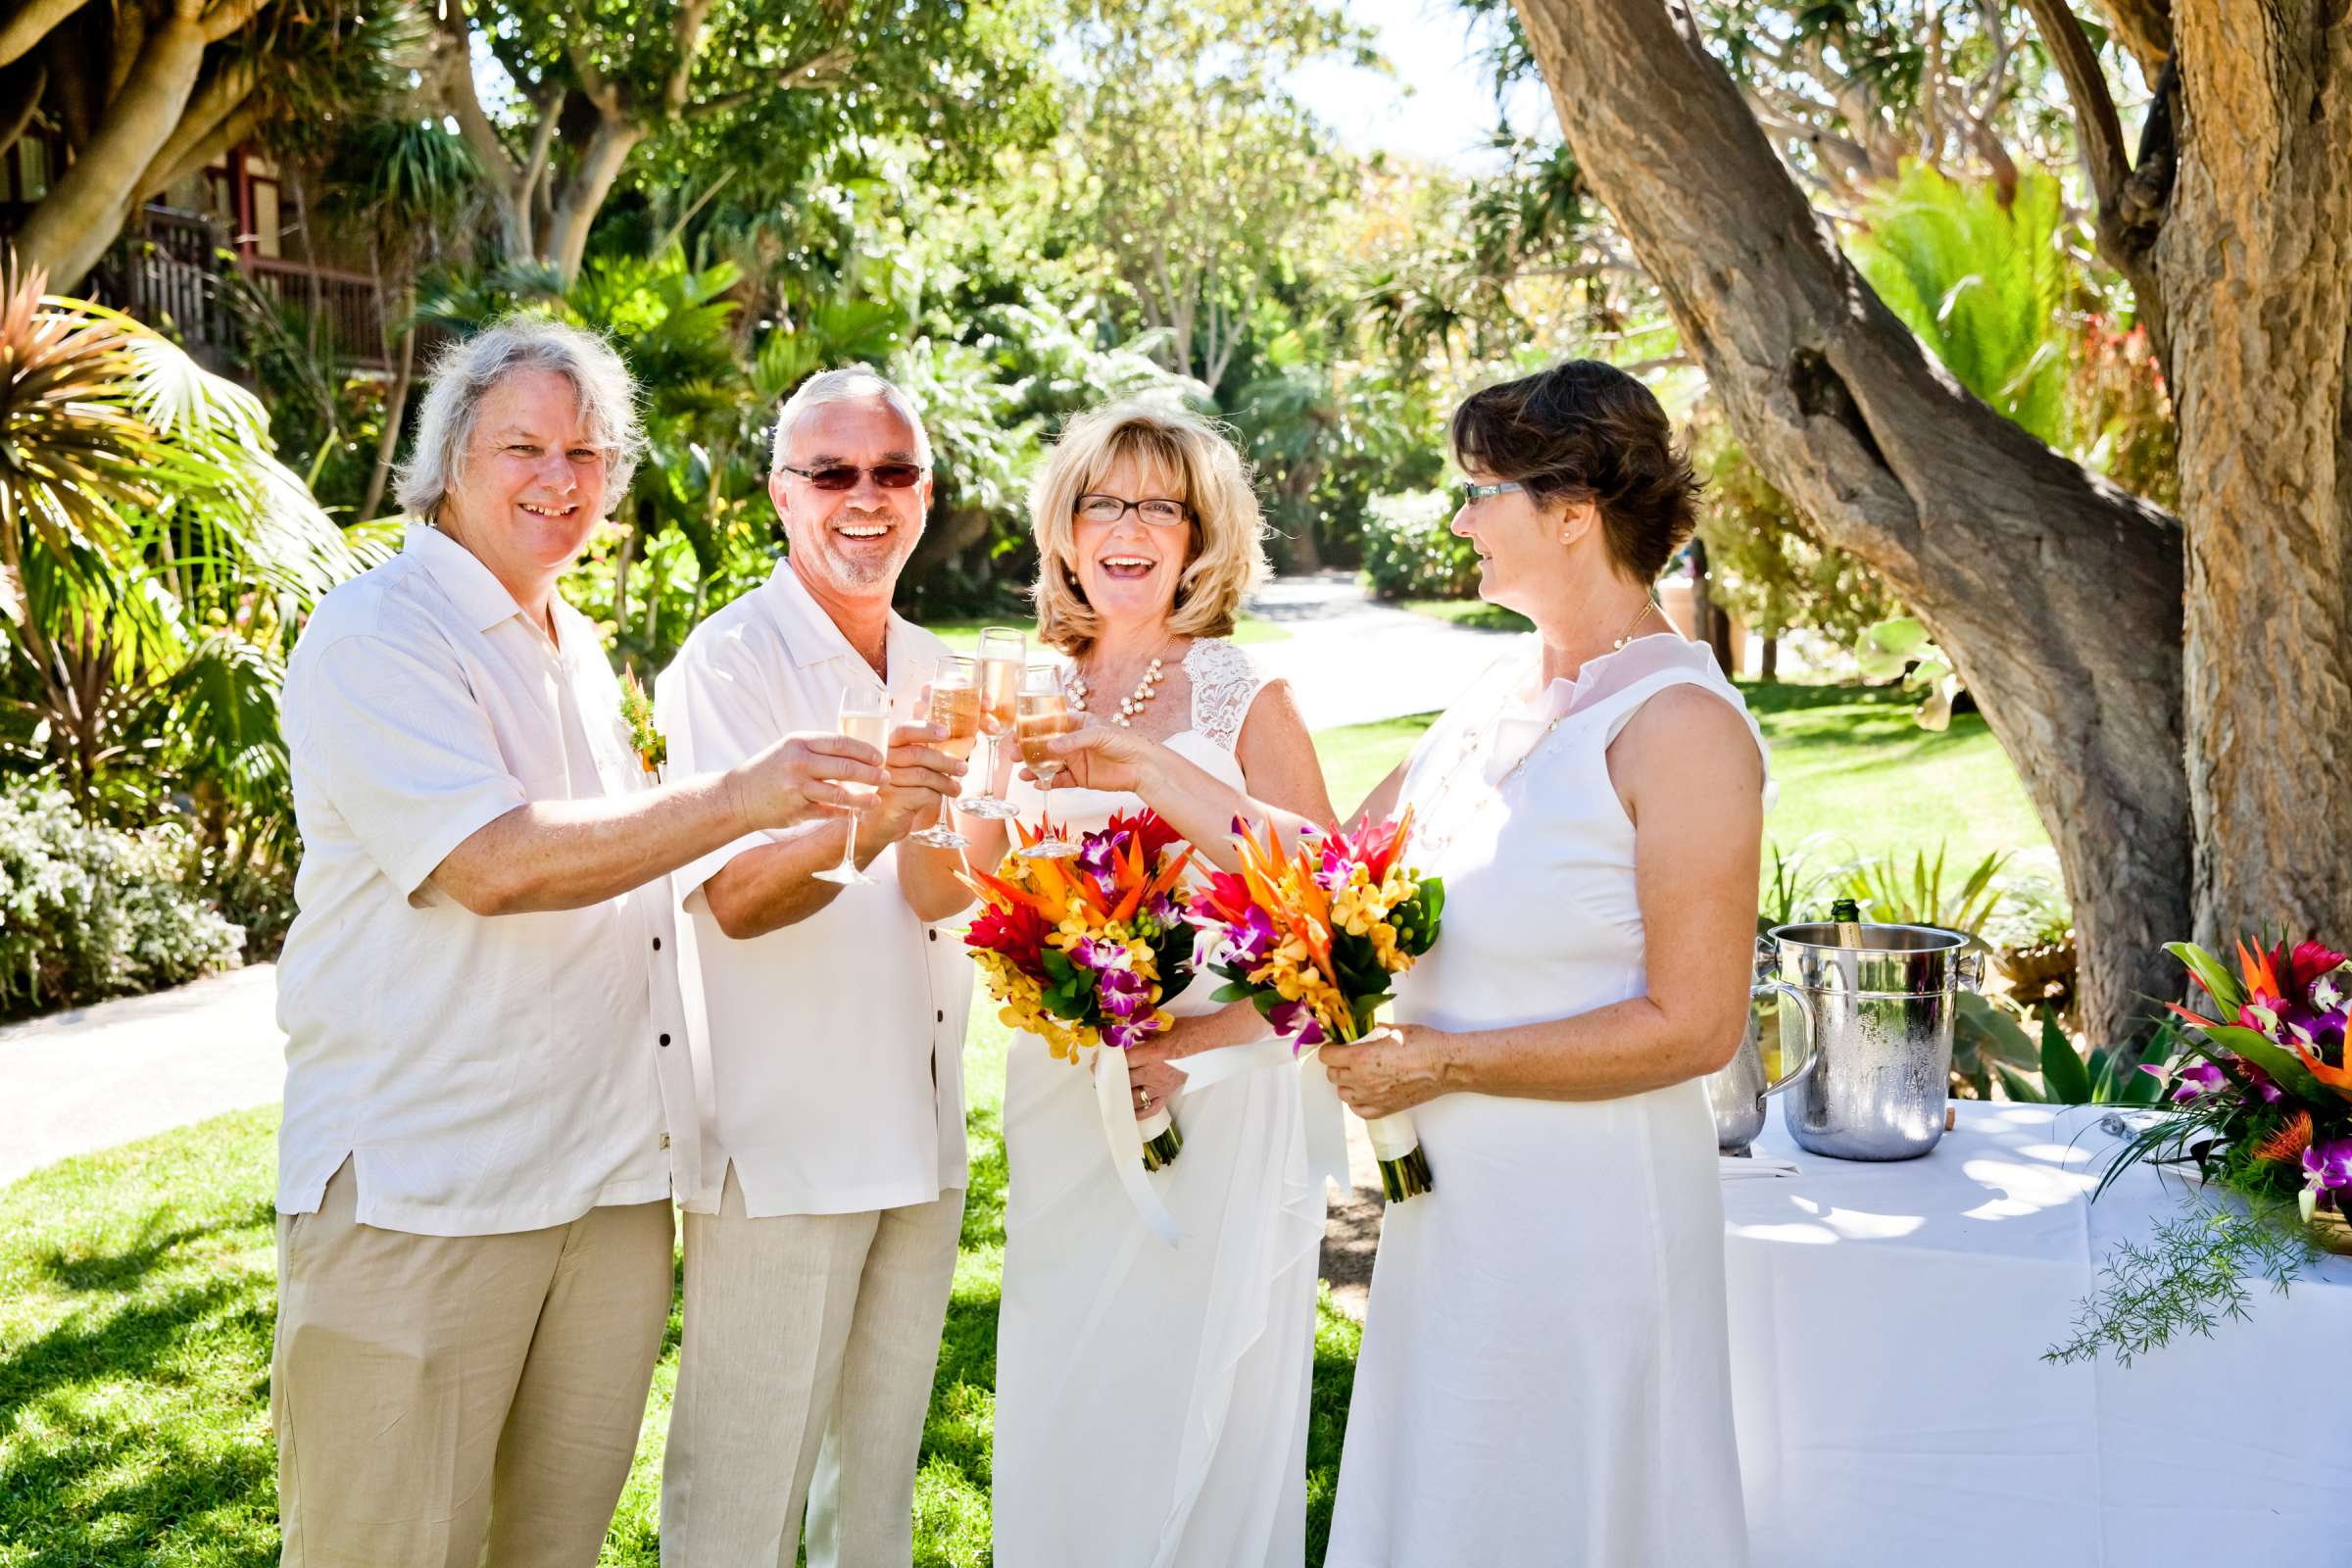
(1545, 1376)
(1151, 1404)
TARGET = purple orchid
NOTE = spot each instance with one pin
(1299, 1021)
(2197, 1080)
(1097, 856)
(1122, 992)
(2329, 1165)
(1165, 910)
(1248, 941)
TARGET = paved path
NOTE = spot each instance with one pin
(103, 1075)
(1353, 661)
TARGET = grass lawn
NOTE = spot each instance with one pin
(136, 1298)
(1476, 614)
(136, 1294)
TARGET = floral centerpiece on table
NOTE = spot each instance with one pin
(2261, 1109)
(1084, 952)
(1313, 938)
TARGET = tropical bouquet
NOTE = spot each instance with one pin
(637, 712)
(1083, 952)
(1314, 937)
(2260, 1108)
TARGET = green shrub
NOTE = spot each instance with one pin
(1411, 551)
(89, 912)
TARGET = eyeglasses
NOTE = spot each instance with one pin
(845, 476)
(1158, 513)
(1479, 492)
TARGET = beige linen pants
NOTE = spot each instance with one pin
(805, 1334)
(460, 1399)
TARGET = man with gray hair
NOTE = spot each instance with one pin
(820, 1248)
(488, 1103)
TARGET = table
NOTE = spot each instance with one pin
(1893, 1409)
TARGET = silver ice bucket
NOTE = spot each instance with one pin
(1736, 1090)
(1881, 1020)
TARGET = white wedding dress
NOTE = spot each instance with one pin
(1151, 1406)
(1545, 1375)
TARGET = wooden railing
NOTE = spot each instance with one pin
(347, 306)
(168, 270)
(162, 271)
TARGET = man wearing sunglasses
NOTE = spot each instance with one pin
(827, 1051)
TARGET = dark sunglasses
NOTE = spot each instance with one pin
(843, 475)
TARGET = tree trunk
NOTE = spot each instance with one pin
(396, 410)
(583, 195)
(84, 212)
(2256, 259)
(1714, 625)
(2058, 596)
(1768, 665)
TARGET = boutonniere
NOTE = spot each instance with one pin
(637, 712)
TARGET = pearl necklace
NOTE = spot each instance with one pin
(1132, 706)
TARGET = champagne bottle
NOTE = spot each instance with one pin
(1846, 915)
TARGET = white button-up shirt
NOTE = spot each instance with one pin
(828, 1053)
(484, 1074)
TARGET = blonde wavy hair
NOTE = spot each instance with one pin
(1228, 554)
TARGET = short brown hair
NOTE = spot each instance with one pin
(1587, 431)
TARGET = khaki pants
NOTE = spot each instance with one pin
(460, 1399)
(807, 1336)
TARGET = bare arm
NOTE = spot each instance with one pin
(774, 884)
(568, 854)
(1688, 772)
(1287, 783)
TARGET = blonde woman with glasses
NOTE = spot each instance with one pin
(1151, 1396)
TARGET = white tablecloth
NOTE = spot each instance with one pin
(1893, 1409)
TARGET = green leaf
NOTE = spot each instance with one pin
(2018, 1085)
(2061, 1068)
(2208, 969)
(2102, 1078)
(1991, 1031)
(2141, 1089)
(1233, 991)
(2276, 1059)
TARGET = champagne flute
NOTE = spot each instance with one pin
(1003, 653)
(1043, 713)
(955, 708)
(864, 716)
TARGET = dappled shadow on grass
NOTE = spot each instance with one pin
(136, 1305)
(135, 1499)
(126, 1266)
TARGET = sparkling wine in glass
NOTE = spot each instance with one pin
(1003, 653)
(955, 709)
(1042, 712)
(864, 716)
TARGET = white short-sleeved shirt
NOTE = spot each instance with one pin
(828, 1055)
(485, 1074)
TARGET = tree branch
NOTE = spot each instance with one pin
(216, 99)
(2145, 28)
(466, 106)
(238, 126)
(827, 70)
(2100, 133)
(225, 17)
(693, 17)
(27, 23)
(27, 82)
(2127, 216)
